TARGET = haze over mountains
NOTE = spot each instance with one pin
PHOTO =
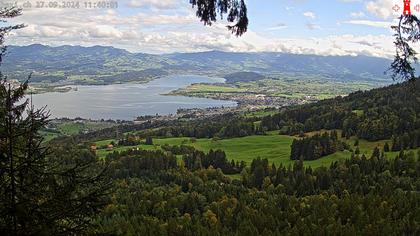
(105, 65)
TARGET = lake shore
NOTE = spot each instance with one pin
(127, 101)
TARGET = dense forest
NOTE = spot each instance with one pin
(132, 162)
(374, 196)
(373, 115)
(317, 146)
(217, 159)
(153, 195)
(408, 140)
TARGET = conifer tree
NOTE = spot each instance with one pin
(376, 153)
(149, 141)
(406, 33)
(386, 147)
(356, 143)
(236, 12)
(43, 190)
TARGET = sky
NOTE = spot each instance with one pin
(321, 27)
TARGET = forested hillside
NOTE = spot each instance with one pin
(243, 77)
(361, 196)
(373, 115)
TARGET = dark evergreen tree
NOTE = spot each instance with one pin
(386, 147)
(376, 153)
(356, 143)
(42, 191)
(7, 13)
(315, 147)
(357, 152)
(235, 10)
(259, 175)
(406, 33)
(149, 140)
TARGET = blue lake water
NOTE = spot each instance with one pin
(127, 101)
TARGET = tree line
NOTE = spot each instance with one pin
(317, 146)
(409, 140)
(197, 160)
(132, 163)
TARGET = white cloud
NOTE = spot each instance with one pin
(160, 4)
(279, 26)
(339, 45)
(380, 8)
(164, 31)
(312, 26)
(309, 15)
(380, 24)
(208, 38)
(359, 14)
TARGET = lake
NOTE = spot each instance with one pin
(127, 101)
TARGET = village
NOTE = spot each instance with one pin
(248, 103)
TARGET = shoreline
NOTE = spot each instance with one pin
(67, 87)
(128, 98)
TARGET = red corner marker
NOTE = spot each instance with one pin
(407, 7)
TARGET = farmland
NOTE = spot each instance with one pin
(274, 147)
(290, 86)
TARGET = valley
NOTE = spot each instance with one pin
(193, 145)
(210, 118)
(54, 67)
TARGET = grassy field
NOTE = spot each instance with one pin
(102, 152)
(213, 88)
(70, 128)
(260, 113)
(274, 147)
(281, 86)
(48, 136)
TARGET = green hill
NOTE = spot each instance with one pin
(90, 65)
(373, 115)
(243, 77)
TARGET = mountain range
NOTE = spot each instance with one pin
(105, 65)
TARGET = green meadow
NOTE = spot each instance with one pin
(288, 86)
(274, 147)
(71, 128)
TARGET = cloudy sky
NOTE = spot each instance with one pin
(323, 27)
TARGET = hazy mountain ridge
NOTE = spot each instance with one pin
(99, 61)
(243, 77)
